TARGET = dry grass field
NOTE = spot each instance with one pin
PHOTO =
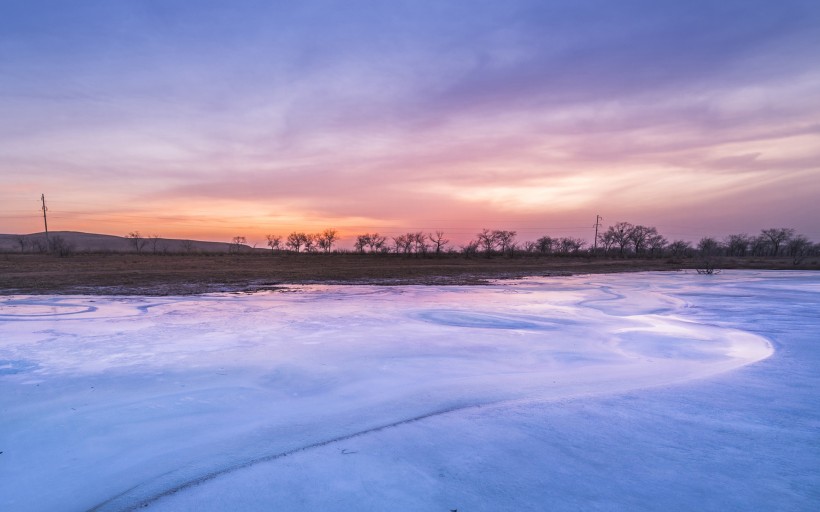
(149, 274)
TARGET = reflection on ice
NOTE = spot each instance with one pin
(117, 402)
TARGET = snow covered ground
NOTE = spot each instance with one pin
(646, 391)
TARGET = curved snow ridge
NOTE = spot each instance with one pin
(670, 337)
(87, 308)
(36, 310)
(143, 495)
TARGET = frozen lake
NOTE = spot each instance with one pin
(647, 391)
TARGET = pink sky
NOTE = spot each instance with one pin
(238, 121)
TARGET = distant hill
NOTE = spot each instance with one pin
(91, 242)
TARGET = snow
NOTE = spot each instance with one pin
(651, 391)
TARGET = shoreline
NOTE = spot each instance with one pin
(129, 274)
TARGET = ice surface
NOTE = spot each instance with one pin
(620, 392)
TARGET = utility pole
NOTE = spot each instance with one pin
(598, 220)
(45, 221)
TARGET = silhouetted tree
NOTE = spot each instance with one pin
(137, 240)
(60, 246)
(607, 240)
(680, 249)
(656, 243)
(419, 243)
(39, 245)
(373, 241)
(486, 239)
(505, 240)
(399, 243)
(798, 247)
(310, 242)
(737, 245)
(709, 250)
(639, 235)
(545, 244)
(237, 243)
(274, 242)
(154, 240)
(326, 239)
(569, 245)
(296, 240)
(361, 242)
(620, 234)
(708, 247)
(759, 246)
(408, 241)
(470, 249)
(439, 242)
(777, 237)
(22, 241)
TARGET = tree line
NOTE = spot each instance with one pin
(622, 239)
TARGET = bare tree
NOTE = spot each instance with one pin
(607, 240)
(639, 236)
(576, 244)
(310, 242)
(759, 246)
(372, 241)
(274, 242)
(545, 244)
(798, 247)
(680, 248)
(777, 237)
(39, 245)
(409, 242)
(439, 242)
(709, 249)
(60, 246)
(137, 240)
(470, 249)
(420, 243)
(505, 240)
(361, 242)
(188, 246)
(326, 239)
(398, 243)
(22, 241)
(486, 239)
(737, 245)
(620, 235)
(376, 242)
(296, 240)
(154, 240)
(569, 245)
(656, 244)
(237, 243)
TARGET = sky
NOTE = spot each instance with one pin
(215, 119)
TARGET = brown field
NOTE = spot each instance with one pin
(149, 274)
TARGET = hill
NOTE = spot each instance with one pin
(92, 242)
